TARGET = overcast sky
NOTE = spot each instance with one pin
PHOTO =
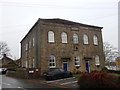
(18, 16)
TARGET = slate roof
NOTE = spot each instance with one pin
(67, 22)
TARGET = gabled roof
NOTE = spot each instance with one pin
(67, 22)
(6, 59)
(60, 21)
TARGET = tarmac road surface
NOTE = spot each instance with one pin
(10, 83)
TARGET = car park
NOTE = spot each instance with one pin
(56, 73)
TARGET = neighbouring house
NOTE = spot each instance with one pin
(59, 43)
(7, 62)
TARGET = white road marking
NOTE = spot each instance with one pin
(19, 87)
(59, 80)
(68, 83)
(22, 88)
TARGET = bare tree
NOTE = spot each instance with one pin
(4, 49)
(110, 53)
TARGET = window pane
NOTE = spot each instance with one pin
(53, 64)
(33, 41)
(52, 61)
(50, 64)
(97, 60)
(77, 60)
(75, 38)
(33, 63)
(50, 36)
(85, 39)
(95, 40)
(26, 46)
(29, 44)
(26, 64)
(64, 37)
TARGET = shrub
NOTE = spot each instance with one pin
(97, 80)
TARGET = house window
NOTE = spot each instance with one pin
(33, 42)
(29, 63)
(75, 38)
(52, 62)
(97, 60)
(85, 39)
(26, 64)
(26, 48)
(95, 40)
(51, 36)
(33, 63)
(77, 61)
(64, 37)
(29, 44)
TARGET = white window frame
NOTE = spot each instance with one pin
(97, 60)
(95, 40)
(85, 39)
(75, 38)
(51, 38)
(77, 61)
(64, 37)
(52, 62)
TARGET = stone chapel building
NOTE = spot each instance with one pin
(59, 43)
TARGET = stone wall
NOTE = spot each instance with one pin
(24, 73)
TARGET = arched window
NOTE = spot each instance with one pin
(77, 61)
(97, 60)
(85, 39)
(51, 36)
(64, 37)
(95, 40)
(75, 38)
(52, 63)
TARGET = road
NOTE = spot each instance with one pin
(23, 84)
(68, 82)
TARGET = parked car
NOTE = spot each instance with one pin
(3, 70)
(9, 69)
(56, 73)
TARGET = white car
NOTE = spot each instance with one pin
(3, 70)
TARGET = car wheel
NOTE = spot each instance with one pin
(70, 75)
(48, 78)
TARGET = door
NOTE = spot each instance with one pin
(65, 66)
(87, 66)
